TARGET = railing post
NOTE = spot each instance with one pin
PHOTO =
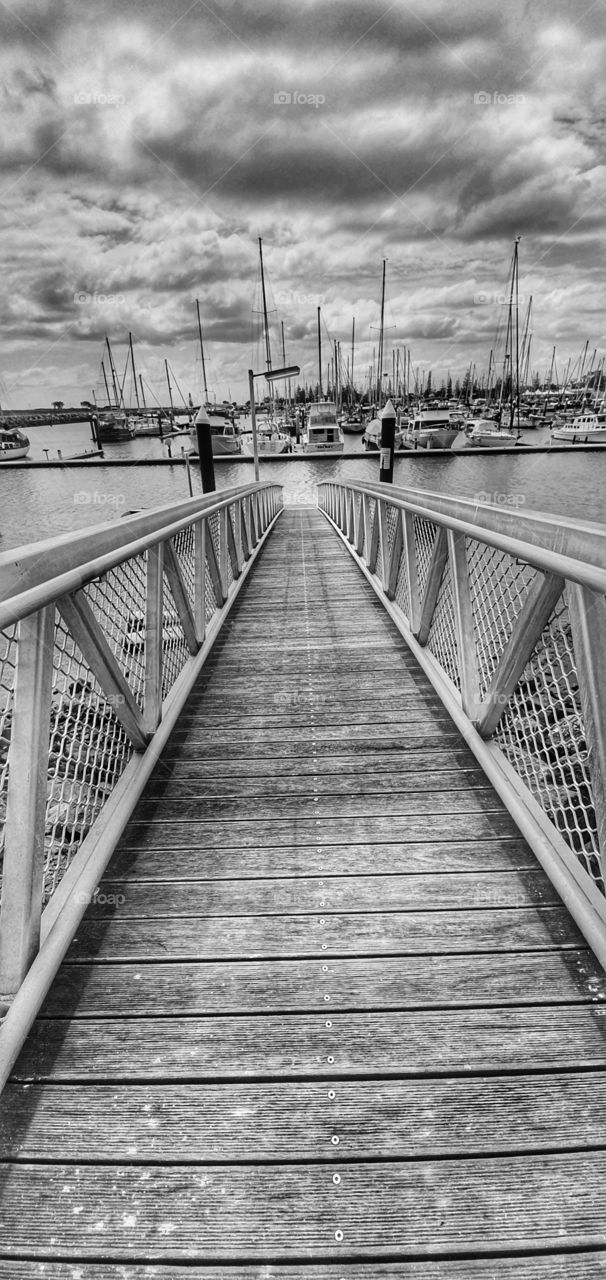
(588, 622)
(372, 544)
(154, 609)
(200, 577)
(26, 801)
(464, 624)
(412, 576)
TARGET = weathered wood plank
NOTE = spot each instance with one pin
(306, 985)
(393, 1209)
(134, 862)
(288, 1046)
(433, 893)
(260, 937)
(377, 1119)
(189, 779)
(564, 1266)
(193, 806)
(246, 835)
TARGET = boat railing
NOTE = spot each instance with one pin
(506, 613)
(102, 635)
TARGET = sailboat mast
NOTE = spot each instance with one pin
(112, 370)
(105, 381)
(319, 354)
(202, 352)
(353, 344)
(143, 400)
(265, 320)
(132, 362)
(170, 391)
(380, 360)
(517, 317)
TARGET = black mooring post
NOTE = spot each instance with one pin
(205, 452)
(388, 436)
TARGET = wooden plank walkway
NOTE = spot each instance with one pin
(325, 1018)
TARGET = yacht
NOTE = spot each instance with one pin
(586, 428)
(322, 433)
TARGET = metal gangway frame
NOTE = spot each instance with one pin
(506, 613)
(102, 636)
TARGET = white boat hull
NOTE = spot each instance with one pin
(580, 435)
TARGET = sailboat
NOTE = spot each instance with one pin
(485, 433)
(322, 432)
(224, 437)
(113, 424)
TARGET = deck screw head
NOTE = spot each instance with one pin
(335, 1140)
(324, 968)
(327, 997)
(336, 1177)
(339, 1236)
(328, 1024)
(331, 1094)
(330, 1058)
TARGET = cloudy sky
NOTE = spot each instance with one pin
(147, 144)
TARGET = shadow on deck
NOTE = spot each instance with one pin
(326, 1016)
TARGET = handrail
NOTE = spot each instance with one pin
(102, 635)
(574, 547)
(506, 613)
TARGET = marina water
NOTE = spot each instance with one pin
(39, 502)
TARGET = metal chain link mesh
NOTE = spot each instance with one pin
(88, 751)
(542, 733)
(425, 536)
(498, 587)
(8, 664)
(442, 635)
(118, 602)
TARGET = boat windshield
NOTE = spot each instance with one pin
(322, 414)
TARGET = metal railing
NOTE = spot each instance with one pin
(102, 635)
(506, 612)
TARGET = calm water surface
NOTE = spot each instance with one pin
(41, 503)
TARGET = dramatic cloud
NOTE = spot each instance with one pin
(147, 146)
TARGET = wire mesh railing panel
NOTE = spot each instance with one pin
(230, 571)
(118, 601)
(542, 733)
(425, 536)
(88, 751)
(8, 665)
(175, 652)
(442, 634)
(183, 544)
(393, 516)
(379, 538)
(498, 586)
(402, 593)
(371, 514)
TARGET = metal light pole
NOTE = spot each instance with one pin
(273, 375)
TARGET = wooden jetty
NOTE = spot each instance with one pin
(324, 1016)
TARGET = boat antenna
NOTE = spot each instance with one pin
(202, 352)
(112, 371)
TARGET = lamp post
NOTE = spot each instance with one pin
(270, 375)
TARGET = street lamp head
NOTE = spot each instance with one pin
(290, 371)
